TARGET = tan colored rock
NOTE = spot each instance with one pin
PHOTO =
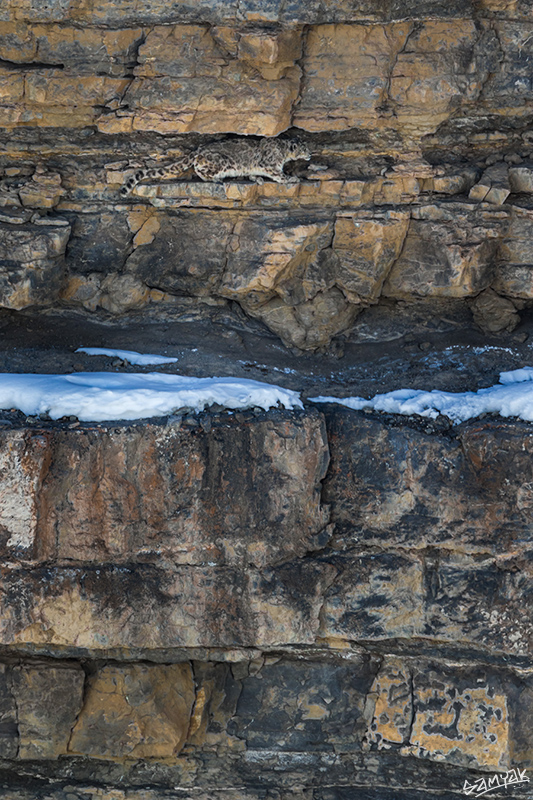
(84, 289)
(499, 7)
(81, 71)
(281, 269)
(448, 252)
(447, 716)
(231, 77)
(120, 293)
(514, 275)
(322, 193)
(353, 193)
(493, 186)
(272, 53)
(100, 609)
(55, 99)
(310, 325)
(17, 42)
(83, 50)
(136, 217)
(452, 183)
(180, 51)
(11, 86)
(514, 280)
(414, 165)
(43, 190)
(148, 500)
(357, 61)
(135, 711)
(32, 263)
(49, 700)
(9, 114)
(465, 724)
(516, 247)
(395, 189)
(120, 121)
(213, 567)
(436, 70)
(147, 232)
(156, 296)
(396, 75)
(393, 705)
(291, 287)
(375, 596)
(86, 50)
(144, 224)
(367, 245)
(493, 313)
(271, 602)
(186, 82)
(269, 257)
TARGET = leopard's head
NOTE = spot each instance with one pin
(297, 149)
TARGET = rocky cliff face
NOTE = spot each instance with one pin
(291, 604)
(312, 605)
(419, 186)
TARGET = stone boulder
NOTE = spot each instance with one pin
(32, 263)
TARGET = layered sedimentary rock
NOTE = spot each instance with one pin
(307, 273)
(408, 76)
(32, 262)
(310, 605)
(405, 108)
(350, 632)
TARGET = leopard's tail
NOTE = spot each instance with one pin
(176, 168)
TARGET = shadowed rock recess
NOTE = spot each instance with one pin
(319, 604)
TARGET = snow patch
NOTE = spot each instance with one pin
(131, 356)
(512, 397)
(100, 396)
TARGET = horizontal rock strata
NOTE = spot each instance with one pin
(419, 184)
(239, 76)
(311, 605)
(307, 273)
(369, 608)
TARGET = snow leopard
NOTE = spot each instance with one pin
(237, 158)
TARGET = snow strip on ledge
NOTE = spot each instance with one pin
(100, 396)
(512, 397)
(131, 356)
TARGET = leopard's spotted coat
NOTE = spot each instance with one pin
(237, 158)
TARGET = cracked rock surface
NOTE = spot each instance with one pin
(319, 604)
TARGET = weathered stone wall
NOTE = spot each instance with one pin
(421, 114)
(316, 605)
(304, 604)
